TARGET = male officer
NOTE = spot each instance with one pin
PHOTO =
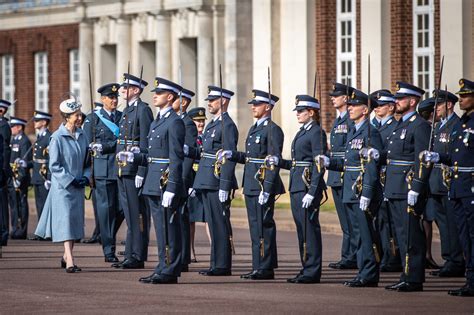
(20, 160)
(41, 178)
(134, 127)
(101, 128)
(461, 191)
(451, 250)
(264, 138)
(384, 107)
(403, 185)
(216, 183)
(180, 106)
(6, 134)
(361, 188)
(163, 184)
(342, 124)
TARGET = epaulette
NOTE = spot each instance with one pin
(412, 119)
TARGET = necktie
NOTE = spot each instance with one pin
(112, 117)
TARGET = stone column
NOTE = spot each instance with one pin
(163, 45)
(205, 54)
(86, 56)
(123, 47)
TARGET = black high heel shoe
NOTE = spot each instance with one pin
(63, 263)
(73, 269)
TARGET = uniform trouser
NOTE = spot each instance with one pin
(219, 228)
(451, 249)
(96, 232)
(314, 253)
(106, 196)
(349, 244)
(19, 209)
(174, 235)
(185, 233)
(40, 198)
(464, 212)
(384, 225)
(417, 249)
(4, 216)
(137, 216)
(366, 262)
(255, 214)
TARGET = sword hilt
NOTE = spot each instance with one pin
(232, 247)
(393, 248)
(262, 249)
(305, 252)
(167, 255)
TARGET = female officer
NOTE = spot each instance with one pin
(62, 218)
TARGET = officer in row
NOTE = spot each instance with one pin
(361, 187)
(216, 182)
(41, 176)
(261, 183)
(163, 183)
(339, 97)
(180, 106)
(102, 130)
(134, 127)
(5, 133)
(20, 161)
(384, 108)
(461, 189)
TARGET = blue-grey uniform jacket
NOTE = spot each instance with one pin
(305, 147)
(143, 121)
(21, 148)
(351, 164)
(6, 133)
(104, 162)
(257, 147)
(190, 140)
(339, 133)
(212, 142)
(41, 158)
(386, 130)
(164, 150)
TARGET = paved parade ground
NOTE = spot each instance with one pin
(32, 282)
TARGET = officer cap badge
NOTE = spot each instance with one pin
(254, 94)
(201, 113)
(353, 95)
(296, 101)
(334, 86)
(209, 91)
(378, 95)
(124, 78)
(156, 83)
(397, 87)
(114, 88)
(461, 83)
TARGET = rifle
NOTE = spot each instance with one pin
(124, 163)
(136, 114)
(163, 182)
(93, 122)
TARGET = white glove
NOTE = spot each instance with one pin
(412, 197)
(192, 192)
(138, 181)
(224, 154)
(96, 147)
(307, 200)
(429, 156)
(125, 156)
(263, 197)
(134, 149)
(167, 199)
(364, 203)
(223, 195)
(374, 154)
(47, 184)
(323, 160)
(186, 149)
(273, 160)
(16, 183)
(20, 162)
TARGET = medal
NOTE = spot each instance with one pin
(257, 139)
(403, 134)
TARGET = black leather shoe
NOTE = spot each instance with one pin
(204, 271)
(410, 287)
(163, 279)
(121, 253)
(91, 240)
(335, 265)
(391, 268)
(63, 263)
(184, 268)
(395, 286)
(35, 238)
(111, 259)
(248, 274)
(73, 269)
(305, 280)
(347, 266)
(217, 272)
(133, 264)
(464, 291)
(119, 264)
(447, 273)
(347, 283)
(361, 283)
(147, 279)
(431, 264)
(263, 275)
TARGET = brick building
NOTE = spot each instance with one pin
(47, 45)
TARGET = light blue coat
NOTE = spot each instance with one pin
(62, 218)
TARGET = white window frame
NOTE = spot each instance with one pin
(74, 85)
(41, 82)
(424, 51)
(346, 56)
(8, 81)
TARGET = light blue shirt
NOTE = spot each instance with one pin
(408, 116)
(261, 120)
(384, 120)
(444, 121)
(358, 125)
(165, 110)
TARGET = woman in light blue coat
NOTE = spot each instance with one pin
(62, 219)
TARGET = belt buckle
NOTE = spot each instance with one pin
(149, 159)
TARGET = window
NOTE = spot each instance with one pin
(423, 44)
(41, 81)
(74, 82)
(8, 81)
(346, 41)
